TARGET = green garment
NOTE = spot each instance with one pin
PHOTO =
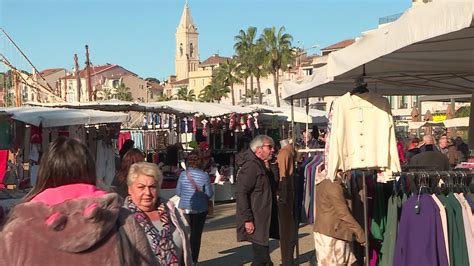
(5, 135)
(379, 216)
(456, 235)
(450, 218)
(395, 203)
(459, 240)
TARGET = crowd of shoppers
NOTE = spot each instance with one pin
(444, 154)
(68, 218)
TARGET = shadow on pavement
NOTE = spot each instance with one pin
(213, 224)
(236, 256)
(307, 258)
(243, 254)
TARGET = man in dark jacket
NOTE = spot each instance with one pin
(430, 160)
(257, 215)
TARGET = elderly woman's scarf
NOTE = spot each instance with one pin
(162, 240)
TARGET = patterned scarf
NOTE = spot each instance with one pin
(162, 240)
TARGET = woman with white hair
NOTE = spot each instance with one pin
(164, 227)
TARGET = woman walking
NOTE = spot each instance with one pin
(194, 189)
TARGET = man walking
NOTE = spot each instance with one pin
(257, 215)
(286, 202)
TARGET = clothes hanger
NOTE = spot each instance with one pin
(361, 85)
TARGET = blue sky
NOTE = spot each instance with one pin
(140, 34)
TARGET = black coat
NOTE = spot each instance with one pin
(256, 200)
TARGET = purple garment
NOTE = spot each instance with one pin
(420, 239)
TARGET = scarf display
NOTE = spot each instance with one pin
(162, 240)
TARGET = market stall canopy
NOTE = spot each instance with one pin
(107, 105)
(203, 108)
(429, 50)
(57, 117)
(448, 123)
(284, 113)
(457, 122)
(416, 125)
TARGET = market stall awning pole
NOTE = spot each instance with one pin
(471, 124)
(293, 137)
(307, 122)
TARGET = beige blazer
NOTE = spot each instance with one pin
(362, 134)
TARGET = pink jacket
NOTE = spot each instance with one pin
(73, 225)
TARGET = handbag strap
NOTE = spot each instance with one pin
(190, 178)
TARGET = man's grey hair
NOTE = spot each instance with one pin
(259, 140)
(428, 139)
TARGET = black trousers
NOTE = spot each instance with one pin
(261, 255)
(196, 224)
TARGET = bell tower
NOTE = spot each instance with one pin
(187, 48)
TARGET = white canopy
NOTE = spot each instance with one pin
(284, 113)
(428, 50)
(57, 117)
(457, 122)
(107, 105)
(206, 109)
(416, 125)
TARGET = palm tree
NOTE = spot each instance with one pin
(279, 53)
(164, 98)
(123, 93)
(184, 94)
(214, 91)
(244, 47)
(259, 69)
(252, 94)
(105, 93)
(227, 75)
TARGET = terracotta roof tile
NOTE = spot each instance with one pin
(340, 45)
(94, 71)
(50, 71)
(214, 60)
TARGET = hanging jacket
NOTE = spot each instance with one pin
(74, 224)
(333, 217)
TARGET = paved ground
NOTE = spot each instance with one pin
(220, 248)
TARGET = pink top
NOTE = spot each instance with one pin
(57, 195)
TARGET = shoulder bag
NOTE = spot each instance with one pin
(210, 203)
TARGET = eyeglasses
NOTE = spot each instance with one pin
(270, 146)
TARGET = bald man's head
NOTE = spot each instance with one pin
(428, 140)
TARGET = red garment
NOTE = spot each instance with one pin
(3, 166)
(401, 154)
(123, 136)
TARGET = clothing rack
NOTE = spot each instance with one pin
(310, 150)
(457, 173)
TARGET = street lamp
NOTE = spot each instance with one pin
(300, 53)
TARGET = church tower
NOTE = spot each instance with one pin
(187, 49)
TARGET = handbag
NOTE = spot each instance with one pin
(210, 203)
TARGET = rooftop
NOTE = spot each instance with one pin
(215, 59)
(339, 45)
(50, 71)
